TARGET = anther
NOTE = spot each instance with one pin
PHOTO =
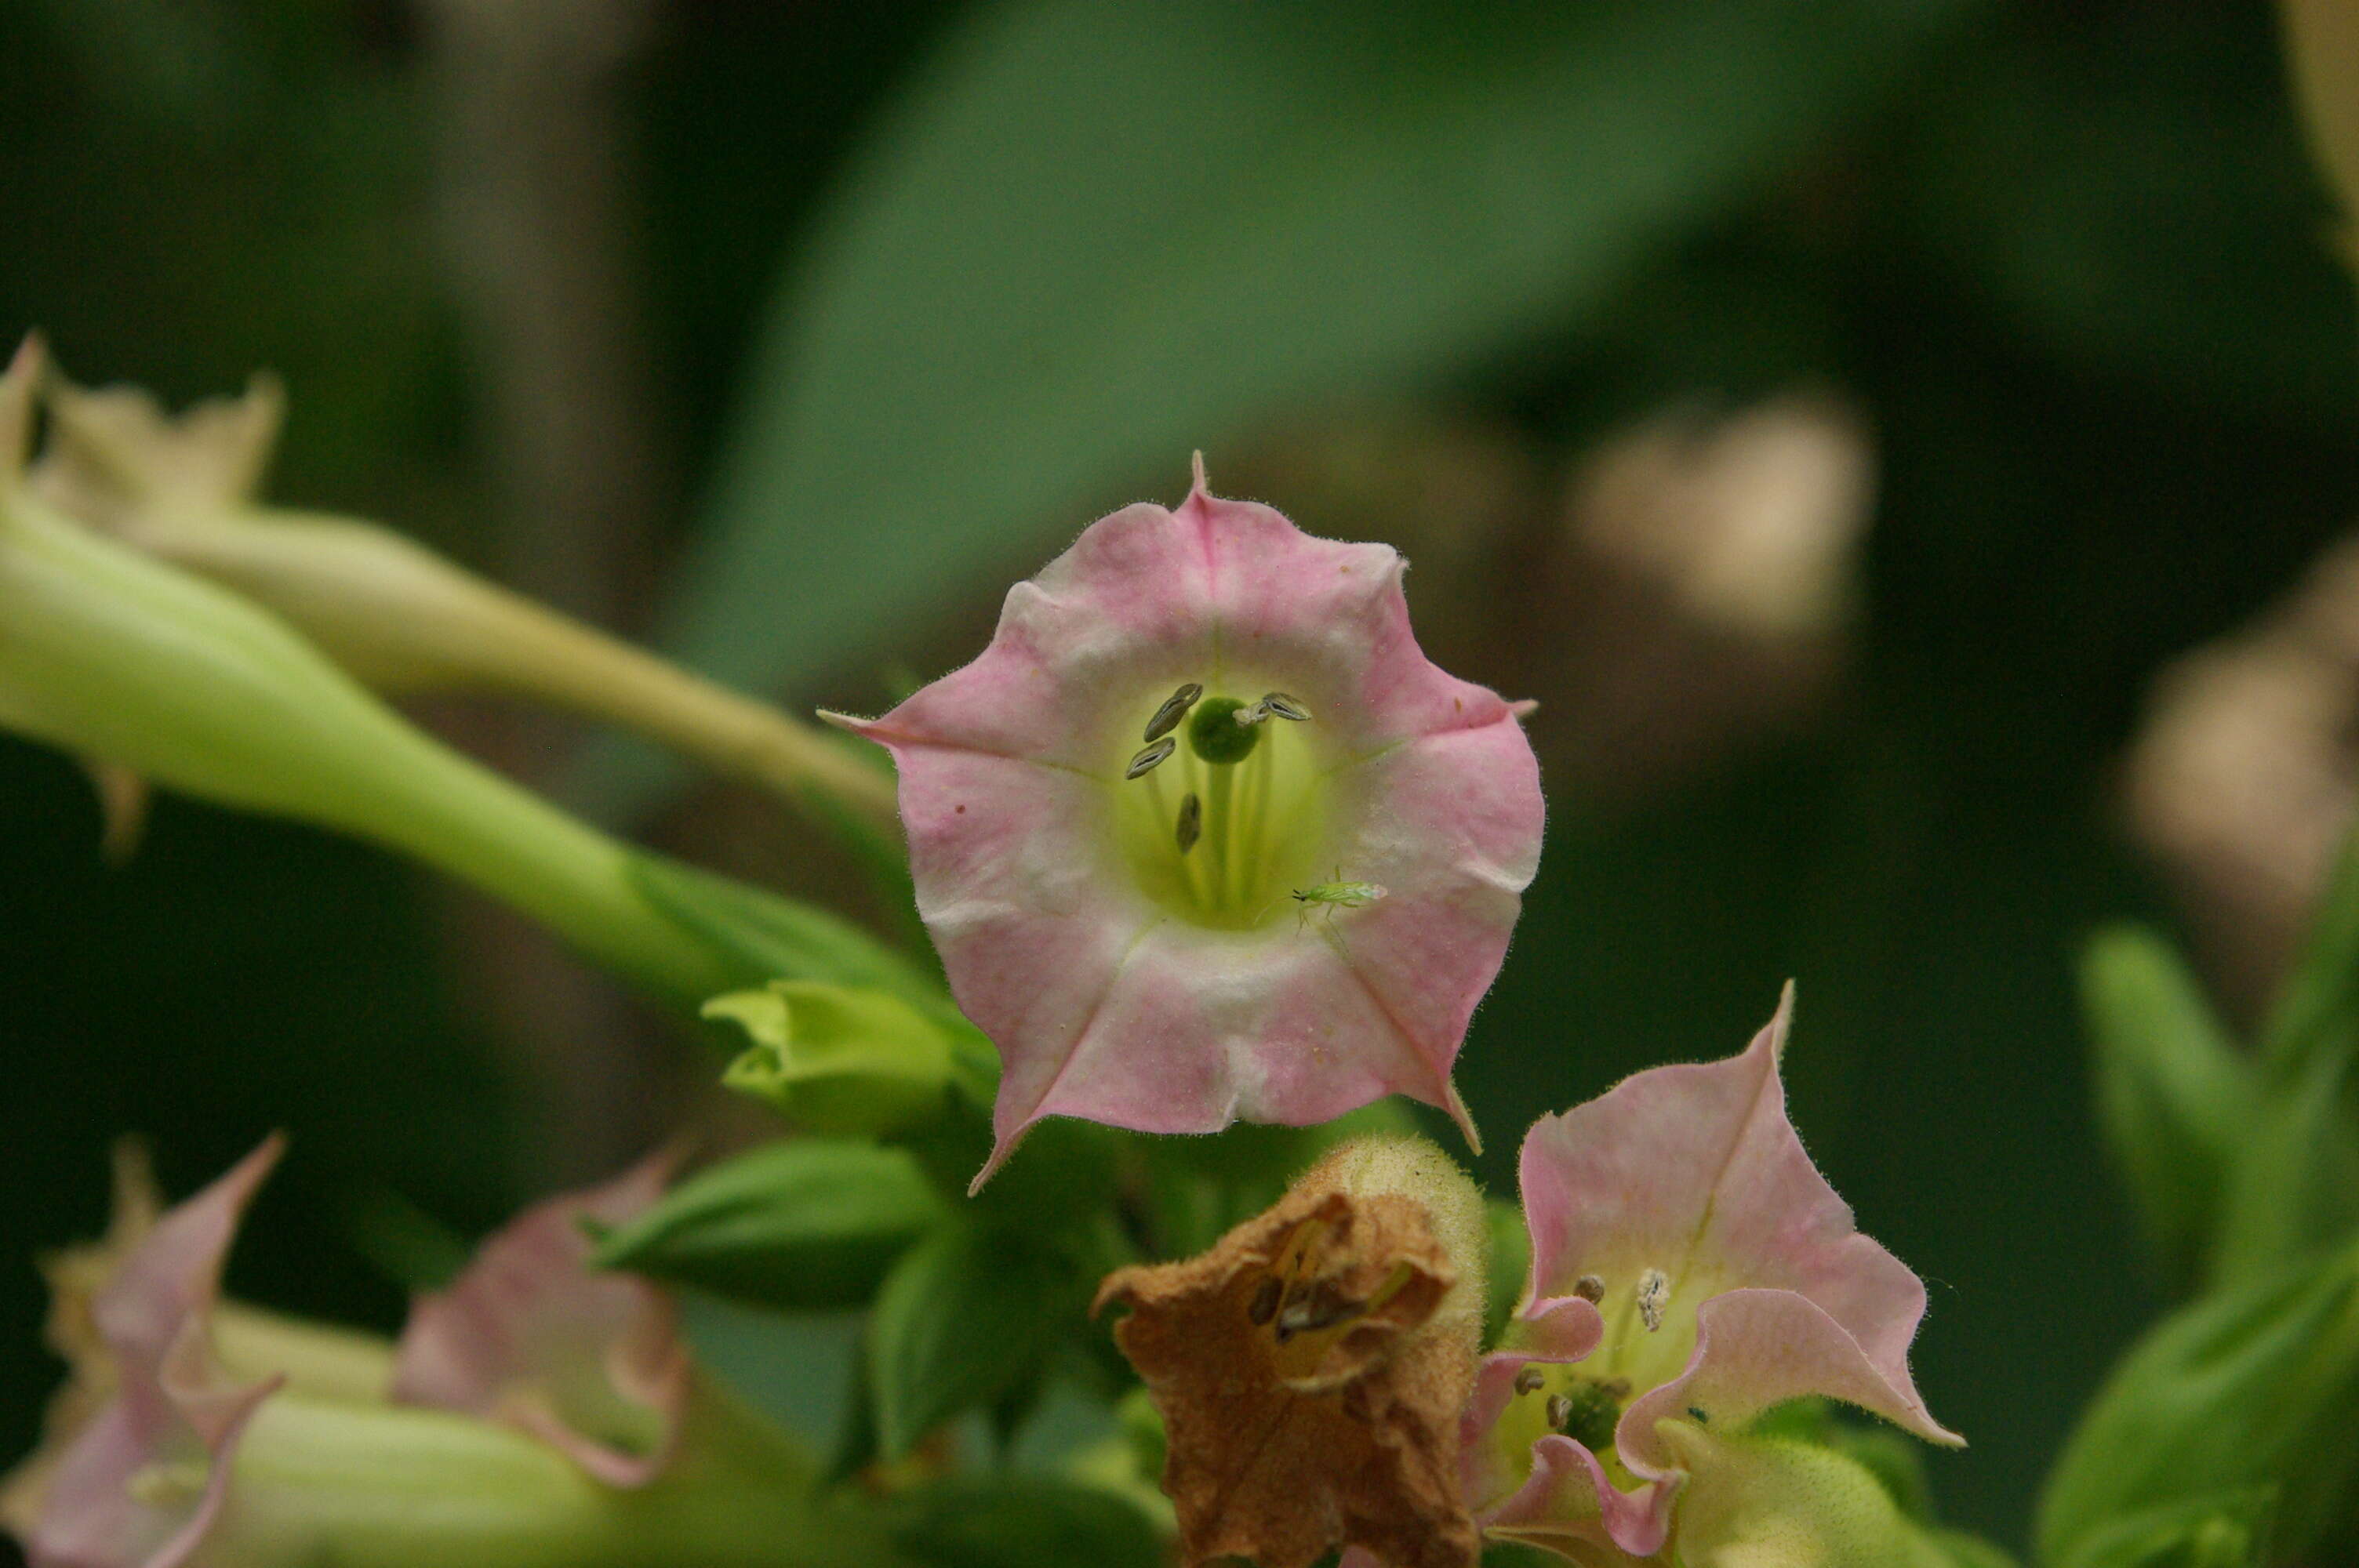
(1323, 1308)
(1175, 708)
(1654, 1295)
(1148, 761)
(1559, 1409)
(1192, 822)
(1285, 706)
(1264, 1305)
(1529, 1379)
(1589, 1288)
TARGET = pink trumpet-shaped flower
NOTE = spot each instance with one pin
(1203, 835)
(1689, 1264)
(531, 1335)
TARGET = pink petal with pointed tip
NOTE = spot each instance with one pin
(1102, 1004)
(1569, 1496)
(174, 1273)
(1696, 1171)
(173, 1405)
(588, 1362)
(1756, 1348)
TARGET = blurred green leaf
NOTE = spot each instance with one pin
(2293, 1187)
(2317, 1013)
(802, 1224)
(1098, 234)
(2177, 1099)
(1511, 1260)
(2245, 1391)
(770, 938)
(1015, 1521)
(2136, 193)
(1963, 1551)
(965, 1317)
(2218, 1529)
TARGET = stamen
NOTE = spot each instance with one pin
(1529, 1379)
(1148, 761)
(1264, 1305)
(1175, 708)
(1654, 1295)
(1589, 1288)
(1322, 1307)
(1283, 705)
(1559, 1409)
(1254, 715)
(1192, 822)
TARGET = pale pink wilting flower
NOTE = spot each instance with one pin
(531, 1335)
(1691, 1269)
(1203, 835)
(150, 1457)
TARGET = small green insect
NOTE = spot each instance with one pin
(1329, 897)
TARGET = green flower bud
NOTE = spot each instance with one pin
(1754, 1502)
(113, 654)
(391, 612)
(846, 1060)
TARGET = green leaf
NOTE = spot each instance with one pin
(802, 1225)
(2293, 1187)
(966, 1316)
(2218, 1529)
(1014, 1520)
(2246, 1390)
(2178, 1101)
(1096, 234)
(770, 937)
(1959, 1550)
(2318, 1012)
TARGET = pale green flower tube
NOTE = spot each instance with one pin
(114, 655)
(391, 612)
(394, 1487)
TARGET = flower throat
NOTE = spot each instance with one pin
(1219, 811)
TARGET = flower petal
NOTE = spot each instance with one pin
(1695, 1171)
(1570, 1505)
(139, 1480)
(1559, 1333)
(173, 1274)
(1756, 1348)
(529, 1334)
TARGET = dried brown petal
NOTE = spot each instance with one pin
(1310, 1375)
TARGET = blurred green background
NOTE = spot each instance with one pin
(786, 334)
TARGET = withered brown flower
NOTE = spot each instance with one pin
(1311, 1367)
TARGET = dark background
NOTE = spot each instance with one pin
(542, 309)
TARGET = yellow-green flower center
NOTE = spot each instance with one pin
(1221, 815)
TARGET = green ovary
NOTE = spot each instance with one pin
(1261, 816)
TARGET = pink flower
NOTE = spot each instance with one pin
(1203, 835)
(531, 1336)
(1688, 1265)
(144, 1474)
(171, 1385)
